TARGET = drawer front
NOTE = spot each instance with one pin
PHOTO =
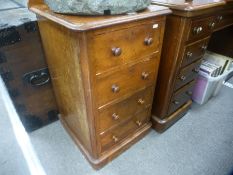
(181, 97)
(194, 52)
(120, 112)
(187, 74)
(224, 20)
(126, 81)
(123, 46)
(201, 27)
(118, 134)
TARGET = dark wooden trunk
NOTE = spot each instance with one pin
(24, 71)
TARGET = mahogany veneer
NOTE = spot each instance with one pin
(104, 71)
(188, 30)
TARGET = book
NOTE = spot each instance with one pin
(211, 69)
(220, 60)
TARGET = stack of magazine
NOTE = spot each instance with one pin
(214, 64)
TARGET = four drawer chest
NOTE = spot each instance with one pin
(104, 71)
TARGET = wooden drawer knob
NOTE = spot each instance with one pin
(115, 88)
(116, 51)
(115, 139)
(115, 116)
(189, 93)
(139, 123)
(197, 30)
(189, 54)
(196, 70)
(211, 25)
(176, 102)
(141, 101)
(219, 18)
(148, 41)
(145, 75)
(183, 78)
(204, 47)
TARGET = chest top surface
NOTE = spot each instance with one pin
(83, 23)
(190, 5)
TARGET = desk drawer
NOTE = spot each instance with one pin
(124, 46)
(121, 111)
(224, 20)
(118, 134)
(187, 74)
(181, 97)
(194, 51)
(200, 28)
(126, 81)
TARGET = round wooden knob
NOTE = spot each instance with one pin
(189, 93)
(220, 18)
(141, 101)
(145, 75)
(197, 30)
(183, 78)
(148, 41)
(115, 139)
(204, 47)
(212, 25)
(115, 88)
(116, 51)
(176, 102)
(115, 116)
(189, 54)
(139, 123)
(196, 70)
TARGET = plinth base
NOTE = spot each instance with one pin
(161, 125)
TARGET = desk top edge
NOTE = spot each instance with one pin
(191, 6)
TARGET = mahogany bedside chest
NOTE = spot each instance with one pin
(104, 71)
(188, 30)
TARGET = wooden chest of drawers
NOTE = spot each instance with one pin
(187, 34)
(104, 71)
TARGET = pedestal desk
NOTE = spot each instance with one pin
(188, 30)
